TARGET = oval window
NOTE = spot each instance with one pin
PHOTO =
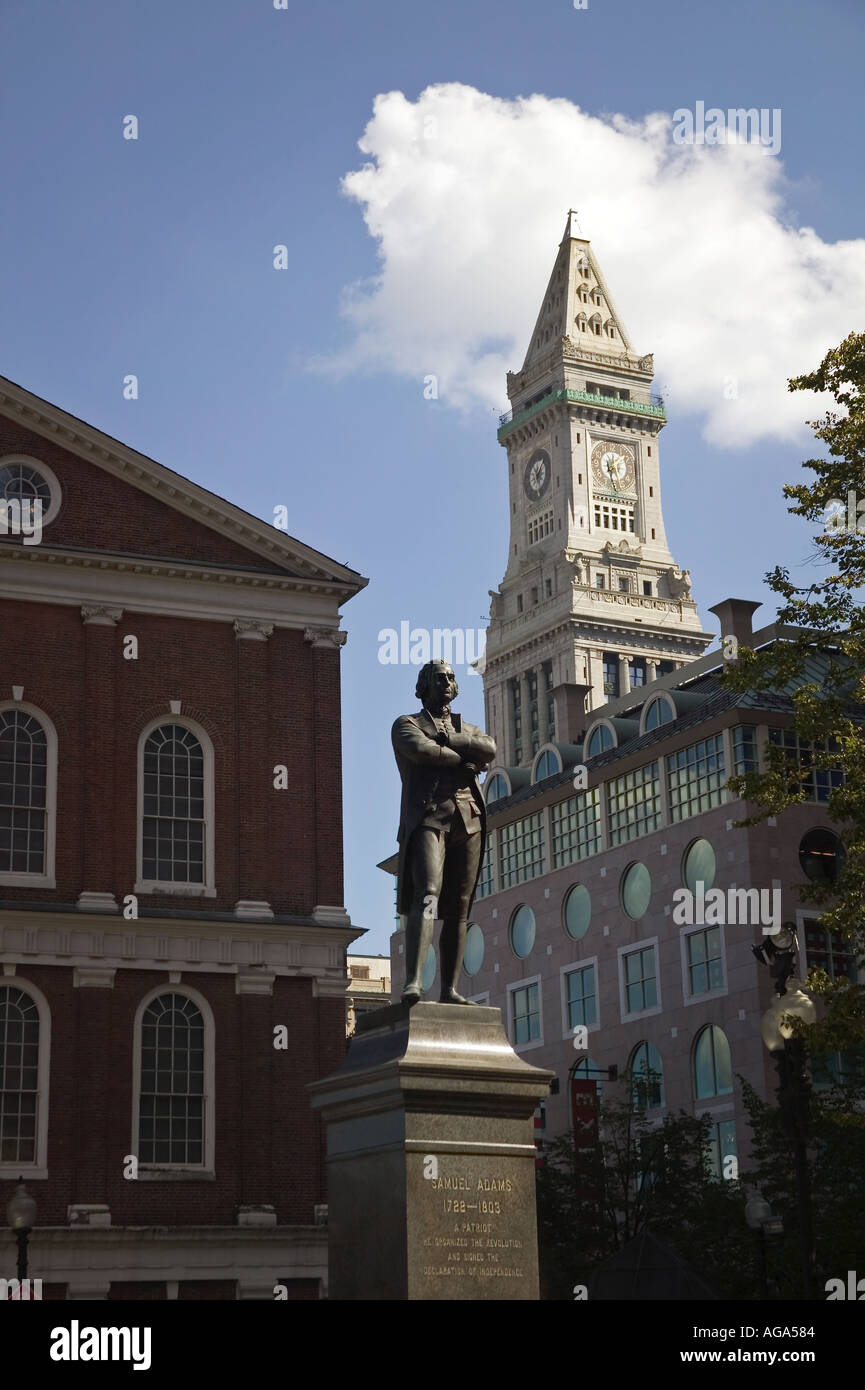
(474, 956)
(699, 866)
(578, 911)
(636, 890)
(523, 931)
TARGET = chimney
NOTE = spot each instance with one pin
(570, 705)
(734, 616)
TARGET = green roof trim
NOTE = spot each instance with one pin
(583, 398)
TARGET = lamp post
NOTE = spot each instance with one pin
(758, 1215)
(21, 1216)
(788, 1053)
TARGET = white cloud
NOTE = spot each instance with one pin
(466, 195)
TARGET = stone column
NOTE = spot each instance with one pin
(624, 676)
(254, 772)
(101, 654)
(543, 718)
(505, 751)
(651, 669)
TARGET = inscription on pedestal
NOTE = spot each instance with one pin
(468, 1235)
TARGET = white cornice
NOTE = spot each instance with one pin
(175, 491)
(167, 588)
(92, 944)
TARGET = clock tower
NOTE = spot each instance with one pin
(592, 602)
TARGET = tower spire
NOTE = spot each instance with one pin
(592, 602)
(572, 226)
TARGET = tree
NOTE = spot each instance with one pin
(836, 1161)
(820, 665)
(640, 1176)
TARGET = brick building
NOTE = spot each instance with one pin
(172, 929)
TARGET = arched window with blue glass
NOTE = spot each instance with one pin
(495, 788)
(713, 1068)
(600, 740)
(548, 762)
(657, 711)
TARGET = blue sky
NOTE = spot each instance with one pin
(155, 257)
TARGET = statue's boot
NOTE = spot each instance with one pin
(418, 939)
(452, 946)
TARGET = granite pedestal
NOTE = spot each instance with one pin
(431, 1158)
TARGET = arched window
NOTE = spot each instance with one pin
(647, 1077)
(601, 740)
(496, 788)
(713, 1069)
(588, 1070)
(28, 779)
(548, 763)
(595, 323)
(657, 712)
(582, 325)
(176, 808)
(174, 1071)
(24, 1044)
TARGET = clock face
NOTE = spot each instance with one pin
(613, 466)
(536, 478)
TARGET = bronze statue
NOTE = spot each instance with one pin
(442, 827)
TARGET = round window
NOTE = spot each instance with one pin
(429, 970)
(578, 911)
(821, 855)
(699, 866)
(28, 482)
(474, 956)
(523, 931)
(636, 890)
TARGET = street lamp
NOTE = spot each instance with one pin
(788, 1053)
(21, 1216)
(758, 1215)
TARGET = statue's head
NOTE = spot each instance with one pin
(436, 682)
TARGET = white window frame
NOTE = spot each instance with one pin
(623, 951)
(687, 997)
(39, 1168)
(48, 474)
(522, 984)
(47, 879)
(155, 1172)
(207, 889)
(591, 962)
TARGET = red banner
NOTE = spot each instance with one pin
(585, 1110)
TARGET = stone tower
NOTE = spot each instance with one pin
(592, 602)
